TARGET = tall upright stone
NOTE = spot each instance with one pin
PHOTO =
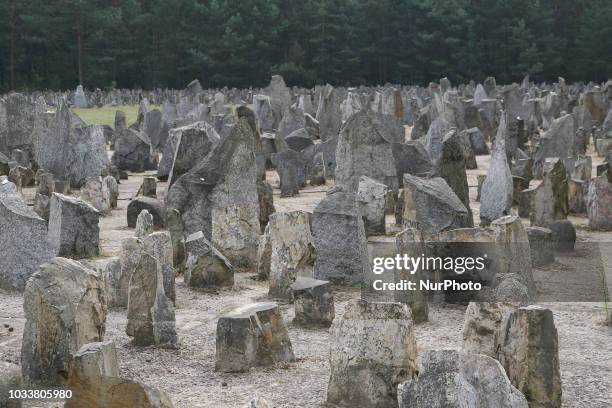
(73, 227)
(363, 151)
(550, 201)
(497, 189)
(219, 197)
(328, 113)
(292, 251)
(339, 239)
(65, 307)
(24, 239)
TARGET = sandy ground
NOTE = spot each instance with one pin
(188, 375)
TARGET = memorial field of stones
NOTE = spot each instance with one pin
(244, 247)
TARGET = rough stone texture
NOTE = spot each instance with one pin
(452, 379)
(292, 120)
(21, 119)
(189, 144)
(252, 335)
(73, 227)
(363, 151)
(219, 197)
(563, 235)
(144, 224)
(279, 94)
(599, 204)
(95, 382)
(410, 242)
(257, 403)
(95, 192)
(65, 307)
(264, 255)
(451, 167)
(159, 245)
(132, 152)
(152, 205)
(298, 140)
(557, 141)
(205, 266)
(266, 203)
(328, 114)
(412, 158)
(70, 150)
(24, 239)
(497, 189)
(477, 141)
(373, 349)
(528, 349)
(150, 314)
(290, 168)
(292, 251)
(313, 302)
(432, 205)
(482, 324)
(541, 245)
(149, 187)
(371, 198)
(550, 200)
(10, 379)
(113, 191)
(339, 239)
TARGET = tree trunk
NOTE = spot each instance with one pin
(79, 36)
(12, 46)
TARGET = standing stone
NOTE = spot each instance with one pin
(434, 137)
(410, 242)
(152, 205)
(313, 302)
(477, 141)
(263, 113)
(266, 203)
(65, 307)
(328, 114)
(144, 224)
(95, 192)
(23, 234)
(80, 100)
(481, 326)
(373, 348)
(452, 379)
(159, 245)
(564, 235)
(292, 120)
(550, 200)
(290, 168)
(132, 152)
(252, 335)
(264, 255)
(113, 191)
(318, 170)
(451, 167)
(363, 151)
(557, 141)
(95, 382)
(412, 158)
(292, 251)
(599, 204)
(280, 96)
(205, 266)
(541, 246)
(529, 352)
(186, 146)
(432, 205)
(44, 188)
(497, 189)
(10, 379)
(219, 197)
(339, 239)
(156, 129)
(150, 313)
(73, 227)
(371, 198)
(149, 187)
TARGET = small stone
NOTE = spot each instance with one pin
(313, 302)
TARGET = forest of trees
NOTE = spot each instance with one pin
(166, 43)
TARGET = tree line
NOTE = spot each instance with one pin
(240, 43)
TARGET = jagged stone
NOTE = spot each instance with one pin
(95, 192)
(339, 239)
(373, 348)
(411, 158)
(152, 205)
(550, 200)
(482, 324)
(73, 227)
(541, 245)
(65, 307)
(410, 242)
(313, 302)
(371, 198)
(205, 266)
(452, 379)
(150, 314)
(292, 251)
(264, 255)
(291, 171)
(599, 203)
(252, 335)
(528, 349)
(266, 203)
(144, 224)
(10, 380)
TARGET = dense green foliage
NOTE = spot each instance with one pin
(166, 43)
